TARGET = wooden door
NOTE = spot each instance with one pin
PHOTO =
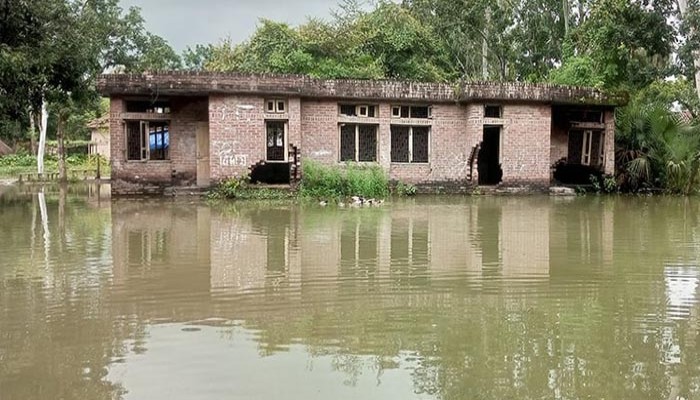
(203, 171)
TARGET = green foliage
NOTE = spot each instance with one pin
(331, 182)
(22, 163)
(53, 50)
(405, 189)
(604, 184)
(577, 71)
(388, 42)
(656, 149)
(239, 188)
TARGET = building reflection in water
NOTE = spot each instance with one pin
(528, 286)
(248, 247)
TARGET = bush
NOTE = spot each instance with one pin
(240, 188)
(604, 184)
(405, 189)
(330, 182)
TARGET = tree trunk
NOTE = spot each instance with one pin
(62, 176)
(42, 138)
(683, 8)
(565, 14)
(485, 48)
(32, 133)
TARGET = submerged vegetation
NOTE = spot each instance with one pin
(240, 188)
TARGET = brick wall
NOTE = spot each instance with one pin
(153, 176)
(236, 134)
(238, 140)
(526, 144)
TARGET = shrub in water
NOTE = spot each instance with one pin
(405, 189)
(335, 182)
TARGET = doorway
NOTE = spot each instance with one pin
(490, 172)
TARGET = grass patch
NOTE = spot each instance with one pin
(11, 166)
(337, 182)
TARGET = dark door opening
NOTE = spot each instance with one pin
(490, 172)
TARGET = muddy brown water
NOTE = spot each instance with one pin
(425, 298)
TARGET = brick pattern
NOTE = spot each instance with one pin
(237, 134)
(526, 133)
(153, 176)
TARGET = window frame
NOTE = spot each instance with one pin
(145, 140)
(285, 141)
(410, 144)
(370, 110)
(587, 147)
(397, 111)
(499, 107)
(276, 109)
(356, 158)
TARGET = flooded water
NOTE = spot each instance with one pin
(426, 298)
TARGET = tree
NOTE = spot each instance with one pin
(51, 51)
(689, 15)
(388, 42)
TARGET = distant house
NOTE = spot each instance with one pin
(99, 137)
(180, 129)
(5, 149)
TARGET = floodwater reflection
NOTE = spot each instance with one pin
(445, 298)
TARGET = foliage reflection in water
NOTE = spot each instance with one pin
(445, 298)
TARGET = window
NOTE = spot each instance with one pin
(592, 116)
(493, 111)
(587, 145)
(151, 107)
(418, 112)
(275, 106)
(147, 140)
(410, 144)
(276, 149)
(358, 143)
(363, 110)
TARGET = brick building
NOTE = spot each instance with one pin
(187, 129)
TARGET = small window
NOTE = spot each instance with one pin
(149, 107)
(348, 110)
(275, 106)
(358, 143)
(363, 110)
(493, 111)
(147, 140)
(418, 112)
(410, 144)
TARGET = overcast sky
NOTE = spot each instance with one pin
(186, 22)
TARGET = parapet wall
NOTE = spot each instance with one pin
(204, 83)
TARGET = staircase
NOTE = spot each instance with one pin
(473, 163)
